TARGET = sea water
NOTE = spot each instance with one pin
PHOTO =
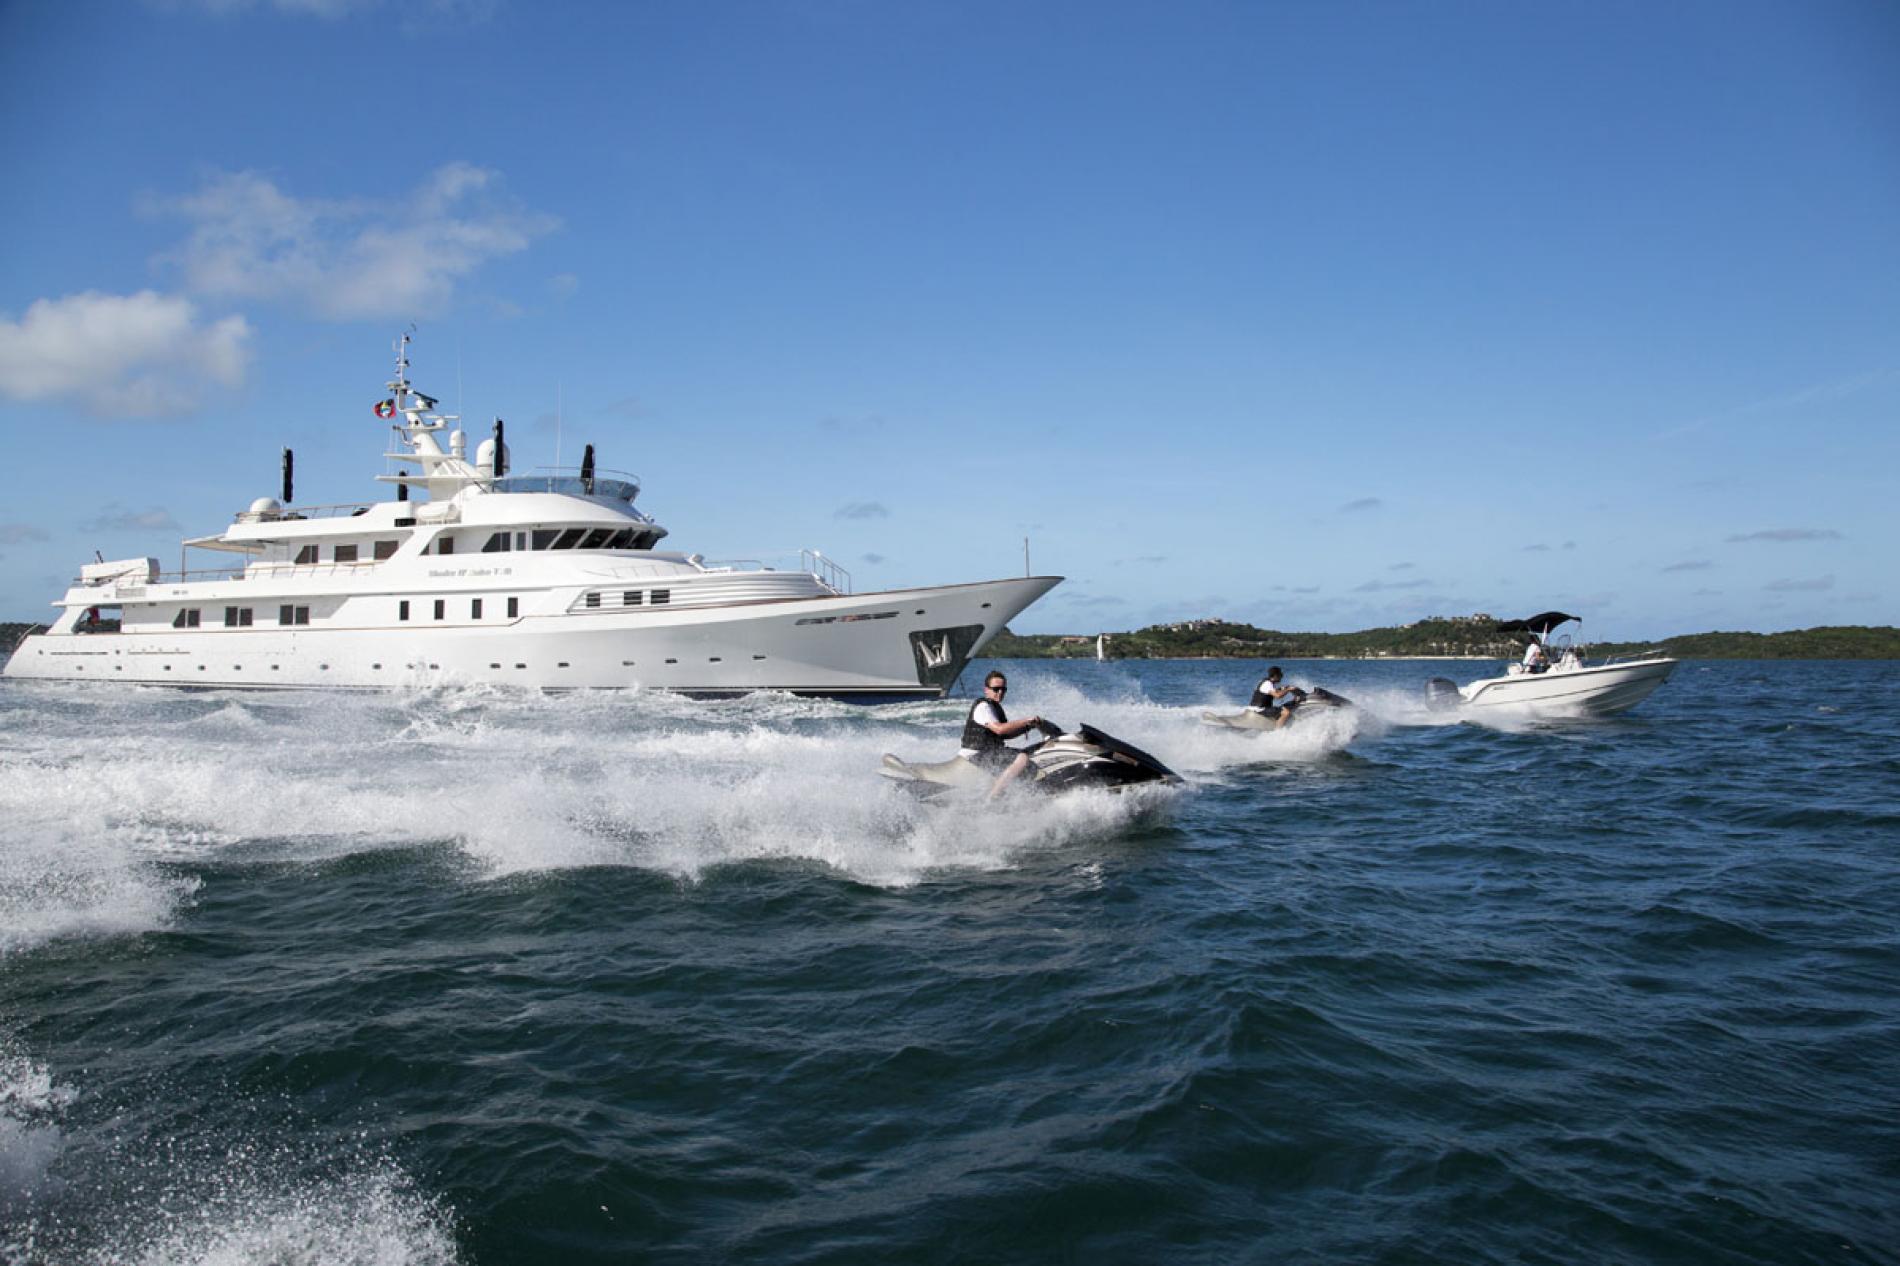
(470, 976)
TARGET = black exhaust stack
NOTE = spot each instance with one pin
(290, 462)
(587, 471)
(494, 458)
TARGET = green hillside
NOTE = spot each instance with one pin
(1438, 636)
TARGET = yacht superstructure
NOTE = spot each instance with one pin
(543, 581)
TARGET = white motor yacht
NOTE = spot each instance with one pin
(1559, 680)
(544, 581)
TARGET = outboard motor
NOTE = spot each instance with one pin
(1441, 695)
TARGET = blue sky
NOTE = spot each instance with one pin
(1319, 316)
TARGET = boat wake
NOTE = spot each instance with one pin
(215, 1195)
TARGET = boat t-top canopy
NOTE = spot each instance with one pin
(1540, 624)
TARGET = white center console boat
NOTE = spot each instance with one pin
(1555, 678)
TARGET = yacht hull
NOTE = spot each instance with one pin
(871, 647)
(1599, 691)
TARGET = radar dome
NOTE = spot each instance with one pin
(265, 505)
(485, 457)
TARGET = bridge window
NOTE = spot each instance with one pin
(187, 618)
(308, 554)
(570, 538)
(499, 543)
(385, 549)
(544, 537)
(346, 553)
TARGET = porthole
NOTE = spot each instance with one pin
(562, 664)
(494, 665)
(672, 661)
(520, 665)
(758, 657)
(714, 659)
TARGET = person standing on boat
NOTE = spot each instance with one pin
(1535, 661)
(985, 729)
(1267, 696)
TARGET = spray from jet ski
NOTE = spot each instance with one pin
(1307, 706)
(1063, 762)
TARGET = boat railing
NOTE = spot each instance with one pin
(822, 569)
(251, 571)
(827, 572)
(195, 576)
(618, 485)
(325, 568)
(1654, 652)
(290, 514)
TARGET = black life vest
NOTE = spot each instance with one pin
(1262, 701)
(980, 738)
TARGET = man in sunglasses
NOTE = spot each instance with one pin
(985, 729)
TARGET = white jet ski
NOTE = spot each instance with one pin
(1063, 762)
(1306, 705)
(1565, 685)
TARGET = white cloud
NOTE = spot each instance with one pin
(19, 533)
(1787, 534)
(345, 259)
(119, 355)
(117, 520)
(862, 510)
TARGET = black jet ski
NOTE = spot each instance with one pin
(1063, 762)
(1306, 705)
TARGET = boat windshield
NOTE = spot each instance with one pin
(571, 485)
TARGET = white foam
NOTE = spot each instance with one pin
(30, 1137)
(520, 782)
(69, 860)
(373, 1216)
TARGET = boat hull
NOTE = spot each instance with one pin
(891, 645)
(1599, 691)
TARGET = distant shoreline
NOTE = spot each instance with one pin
(1471, 637)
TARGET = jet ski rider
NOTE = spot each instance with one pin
(985, 729)
(1267, 696)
